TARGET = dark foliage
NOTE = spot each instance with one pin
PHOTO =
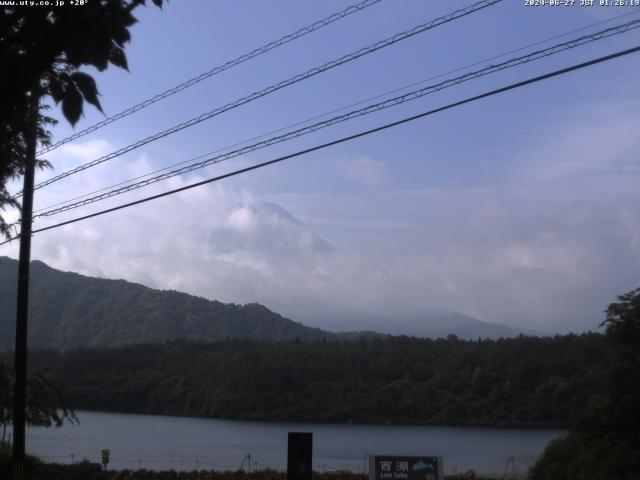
(41, 50)
(524, 381)
(604, 441)
(46, 405)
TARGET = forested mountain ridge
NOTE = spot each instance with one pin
(68, 310)
(525, 381)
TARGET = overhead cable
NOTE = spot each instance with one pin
(398, 100)
(214, 71)
(278, 86)
(322, 115)
(512, 86)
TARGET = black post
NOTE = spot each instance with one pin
(300, 456)
(20, 362)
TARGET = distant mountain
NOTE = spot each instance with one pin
(464, 327)
(430, 325)
(275, 232)
(68, 310)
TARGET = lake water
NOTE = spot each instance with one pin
(162, 442)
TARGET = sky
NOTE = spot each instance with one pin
(520, 208)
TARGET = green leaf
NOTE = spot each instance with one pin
(118, 58)
(121, 36)
(100, 61)
(56, 89)
(87, 86)
(72, 104)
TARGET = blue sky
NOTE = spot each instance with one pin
(520, 209)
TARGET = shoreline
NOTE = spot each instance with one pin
(94, 471)
(523, 426)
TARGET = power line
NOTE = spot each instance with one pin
(316, 117)
(512, 86)
(278, 86)
(214, 71)
(407, 97)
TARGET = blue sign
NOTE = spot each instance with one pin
(395, 467)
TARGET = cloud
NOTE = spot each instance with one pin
(364, 170)
(71, 154)
(547, 246)
(601, 145)
(545, 271)
(213, 241)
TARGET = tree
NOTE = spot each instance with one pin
(604, 442)
(622, 417)
(46, 405)
(41, 51)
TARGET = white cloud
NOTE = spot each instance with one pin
(546, 250)
(601, 143)
(535, 273)
(72, 154)
(364, 170)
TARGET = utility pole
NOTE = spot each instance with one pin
(20, 361)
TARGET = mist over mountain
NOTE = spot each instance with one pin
(68, 310)
(266, 228)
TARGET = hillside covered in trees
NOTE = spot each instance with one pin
(68, 310)
(525, 381)
(603, 442)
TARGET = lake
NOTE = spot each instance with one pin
(163, 442)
